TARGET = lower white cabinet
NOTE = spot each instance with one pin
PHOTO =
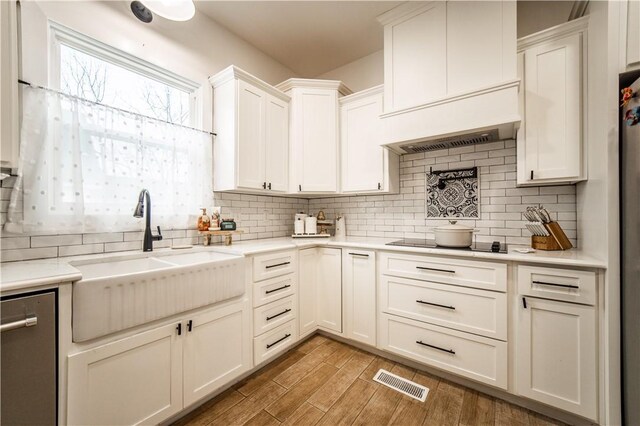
(329, 289)
(359, 289)
(307, 289)
(320, 289)
(557, 355)
(217, 348)
(465, 354)
(150, 376)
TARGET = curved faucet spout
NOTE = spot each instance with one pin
(139, 212)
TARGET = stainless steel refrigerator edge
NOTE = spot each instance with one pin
(630, 258)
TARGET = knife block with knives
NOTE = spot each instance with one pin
(551, 236)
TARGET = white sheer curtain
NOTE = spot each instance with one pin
(82, 166)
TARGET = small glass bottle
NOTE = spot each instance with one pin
(204, 222)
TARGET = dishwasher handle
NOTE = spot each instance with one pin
(29, 321)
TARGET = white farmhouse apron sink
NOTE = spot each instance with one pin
(119, 293)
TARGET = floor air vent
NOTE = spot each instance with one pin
(452, 142)
(404, 386)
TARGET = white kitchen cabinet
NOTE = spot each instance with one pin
(314, 141)
(632, 48)
(217, 348)
(320, 290)
(329, 289)
(152, 375)
(435, 50)
(359, 287)
(556, 355)
(550, 142)
(366, 166)
(9, 116)
(130, 381)
(307, 290)
(251, 120)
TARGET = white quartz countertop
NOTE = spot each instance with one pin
(35, 273)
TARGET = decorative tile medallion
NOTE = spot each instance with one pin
(453, 193)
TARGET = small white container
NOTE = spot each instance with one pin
(298, 226)
(311, 225)
(341, 230)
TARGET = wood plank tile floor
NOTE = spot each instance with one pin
(326, 382)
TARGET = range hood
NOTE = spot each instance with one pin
(482, 116)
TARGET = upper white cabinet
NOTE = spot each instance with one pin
(9, 122)
(314, 134)
(366, 166)
(550, 140)
(447, 60)
(632, 48)
(251, 119)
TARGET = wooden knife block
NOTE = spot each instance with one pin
(558, 240)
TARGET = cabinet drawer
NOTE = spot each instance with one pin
(270, 316)
(478, 358)
(476, 311)
(273, 265)
(559, 284)
(273, 289)
(468, 273)
(274, 342)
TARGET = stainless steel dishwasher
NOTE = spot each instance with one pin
(28, 345)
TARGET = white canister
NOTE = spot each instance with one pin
(298, 225)
(302, 216)
(341, 230)
(311, 225)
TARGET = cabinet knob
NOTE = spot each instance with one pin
(269, 186)
(179, 328)
(379, 186)
(531, 175)
(264, 185)
(299, 187)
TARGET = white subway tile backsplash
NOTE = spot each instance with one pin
(56, 240)
(81, 249)
(104, 237)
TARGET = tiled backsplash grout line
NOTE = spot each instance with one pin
(395, 215)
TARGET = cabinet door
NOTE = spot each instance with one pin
(415, 57)
(251, 134)
(130, 381)
(277, 144)
(360, 138)
(556, 355)
(359, 285)
(329, 289)
(633, 33)
(307, 288)
(316, 139)
(553, 110)
(217, 349)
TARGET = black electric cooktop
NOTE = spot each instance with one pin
(495, 247)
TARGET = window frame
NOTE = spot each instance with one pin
(61, 35)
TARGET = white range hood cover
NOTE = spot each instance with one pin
(459, 119)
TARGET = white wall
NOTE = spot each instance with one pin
(360, 74)
(195, 49)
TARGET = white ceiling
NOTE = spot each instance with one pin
(309, 37)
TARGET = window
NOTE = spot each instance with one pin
(91, 70)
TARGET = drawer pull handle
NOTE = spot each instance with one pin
(277, 289)
(453, 308)
(424, 268)
(29, 321)
(451, 351)
(286, 336)
(277, 315)
(359, 254)
(555, 285)
(276, 265)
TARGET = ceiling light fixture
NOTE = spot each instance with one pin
(141, 12)
(175, 10)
